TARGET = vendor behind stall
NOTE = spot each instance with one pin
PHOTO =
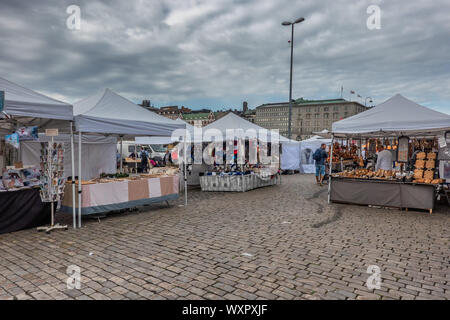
(144, 161)
(384, 160)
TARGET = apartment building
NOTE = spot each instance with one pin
(308, 116)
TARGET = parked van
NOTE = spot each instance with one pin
(155, 151)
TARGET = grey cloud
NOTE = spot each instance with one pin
(225, 51)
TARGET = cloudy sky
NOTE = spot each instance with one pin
(218, 53)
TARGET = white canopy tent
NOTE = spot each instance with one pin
(25, 107)
(241, 128)
(23, 102)
(322, 134)
(290, 155)
(108, 113)
(395, 116)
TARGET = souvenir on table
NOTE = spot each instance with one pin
(27, 133)
(431, 156)
(420, 164)
(428, 174)
(430, 164)
(421, 155)
(12, 179)
(418, 174)
(31, 177)
(13, 140)
(2, 187)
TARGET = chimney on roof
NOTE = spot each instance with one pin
(244, 106)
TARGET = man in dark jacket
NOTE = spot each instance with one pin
(320, 156)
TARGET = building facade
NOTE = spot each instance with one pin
(198, 119)
(172, 112)
(308, 116)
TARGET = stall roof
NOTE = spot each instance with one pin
(318, 138)
(107, 112)
(23, 102)
(233, 122)
(396, 115)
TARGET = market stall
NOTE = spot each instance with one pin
(244, 155)
(107, 113)
(110, 193)
(414, 135)
(25, 113)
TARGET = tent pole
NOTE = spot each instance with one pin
(135, 157)
(121, 149)
(185, 171)
(79, 179)
(331, 166)
(74, 210)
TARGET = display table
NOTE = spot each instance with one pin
(22, 209)
(117, 195)
(383, 193)
(236, 183)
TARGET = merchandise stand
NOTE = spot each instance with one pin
(52, 195)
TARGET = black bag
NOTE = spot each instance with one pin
(317, 156)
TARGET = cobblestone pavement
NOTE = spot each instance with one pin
(281, 242)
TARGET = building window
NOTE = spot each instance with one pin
(326, 109)
(317, 115)
(326, 115)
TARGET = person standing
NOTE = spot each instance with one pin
(320, 156)
(144, 161)
(384, 159)
(167, 158)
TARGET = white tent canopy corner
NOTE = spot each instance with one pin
(110, 113)
(397, 115)
(24, 102)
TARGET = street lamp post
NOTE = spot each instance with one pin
(288, 23)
